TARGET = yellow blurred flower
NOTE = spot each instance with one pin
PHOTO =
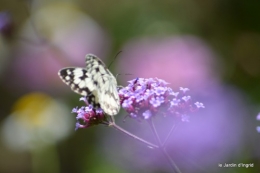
(36, 120)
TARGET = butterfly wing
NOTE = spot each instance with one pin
(95, 82)
(78, 79)
(107, 95)
(109, 98)
(80, 82)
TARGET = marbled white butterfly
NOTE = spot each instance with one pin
(95, 82)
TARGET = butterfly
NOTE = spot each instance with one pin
(95, 82)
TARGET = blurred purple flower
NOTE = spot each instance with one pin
(6, 23)
(180, 60)
(189, 61)
(258, 119)
(258, 129)
(37, 57)
(145, 98)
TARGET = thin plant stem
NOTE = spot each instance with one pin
(162, 149)
(113, 119)
(28, 11)
(114, 125)
(169, 134)
(42, 40)
(172, 163)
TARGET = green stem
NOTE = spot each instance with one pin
(171, 162)
(162, 149)
(132, 135)
(168, 135)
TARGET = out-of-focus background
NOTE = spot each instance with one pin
(212, 47)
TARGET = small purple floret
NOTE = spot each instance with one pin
(185, 118)
(184, 89)
(147, 114)
(175, 102)
(186, 98)
(160, 90)
(155, 102)
(88, 116)
(127, 103)
(199, 105)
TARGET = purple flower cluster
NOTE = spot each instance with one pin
(145, 98)
(88, 115)
(142, 99)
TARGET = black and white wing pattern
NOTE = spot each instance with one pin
(95, 82)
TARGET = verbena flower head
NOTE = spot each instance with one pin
(88, 115)
(145, 98)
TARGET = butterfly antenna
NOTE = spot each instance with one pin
(123, 74)
(114, 59)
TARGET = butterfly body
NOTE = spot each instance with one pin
(95, 82)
